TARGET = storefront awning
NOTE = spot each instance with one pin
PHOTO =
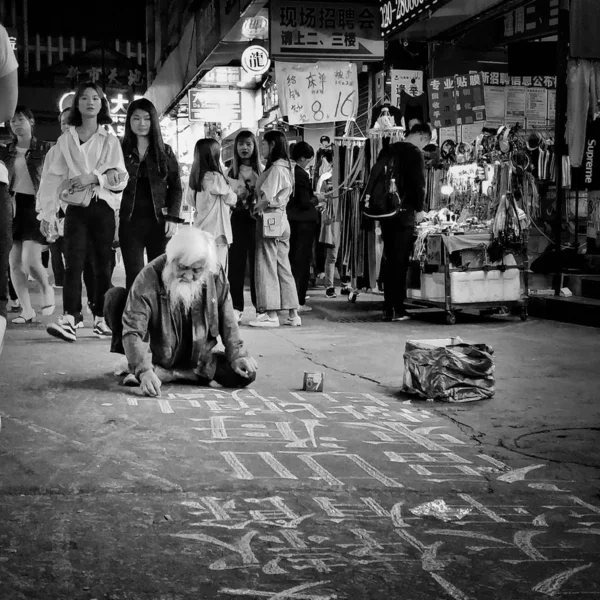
(428, 20)
(185, 64)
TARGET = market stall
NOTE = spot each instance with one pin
(472, 249)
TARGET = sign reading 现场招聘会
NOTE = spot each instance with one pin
(317, 93)
(458, 100)
(399, 14)
(320, 30)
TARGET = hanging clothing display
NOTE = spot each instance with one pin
(394, 112)
(583, 98)
(584, 18)
(414, 107)
(587, 177)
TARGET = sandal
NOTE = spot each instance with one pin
(48, 309)
(21, 320)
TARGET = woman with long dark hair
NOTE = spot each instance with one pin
(8, 103)
(210, 194)
(89, 174)
(275, 285)
(24, 159)
(152, 199)
(243, 175)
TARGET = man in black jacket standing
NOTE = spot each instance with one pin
(303, 216)
(398, 231)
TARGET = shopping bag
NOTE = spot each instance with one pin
(449, 370)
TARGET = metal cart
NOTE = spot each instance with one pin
(438, 260)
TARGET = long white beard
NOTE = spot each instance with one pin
(181, 293)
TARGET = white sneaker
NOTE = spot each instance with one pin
(304, 308)
(293, 321)
(263, 320)
(238, 315)
(63, 329)
(101, 329)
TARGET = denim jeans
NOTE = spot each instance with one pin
(397, 246)
(5, 245)
(57, 250)
(275, 285)
(301, 248)
(136, 236)
(242, 251)
(96, 224)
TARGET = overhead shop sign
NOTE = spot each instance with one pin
(537, 18)
(317, 93)
(212, 105)
(399, 14)
(255, 60)
(321, 30)
(458, 100)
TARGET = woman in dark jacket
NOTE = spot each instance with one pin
(152, 199)
(303, 216)
(24, 159)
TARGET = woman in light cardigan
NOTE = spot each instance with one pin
(210, 194)
(91, 160)
(275, 285)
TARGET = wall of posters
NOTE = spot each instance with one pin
(532, 107)
(516, 101)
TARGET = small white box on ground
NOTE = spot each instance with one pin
(313, 382)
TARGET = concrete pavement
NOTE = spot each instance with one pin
(276, 493)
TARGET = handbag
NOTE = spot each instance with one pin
(68, 194)
(272, 224)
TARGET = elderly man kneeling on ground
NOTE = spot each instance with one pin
(168, 324)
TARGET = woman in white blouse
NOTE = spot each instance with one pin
(89, 164)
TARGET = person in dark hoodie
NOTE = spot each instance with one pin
(303, 216)
(398, 231)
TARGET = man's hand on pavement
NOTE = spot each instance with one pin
(150, 383)
(246, 366)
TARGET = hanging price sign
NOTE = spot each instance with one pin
(317, 93)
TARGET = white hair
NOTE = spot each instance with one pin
(191, 245)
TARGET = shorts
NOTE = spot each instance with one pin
(26, 227)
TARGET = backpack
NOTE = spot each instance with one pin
(385, 201)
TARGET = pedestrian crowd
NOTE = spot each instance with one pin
(91, 193)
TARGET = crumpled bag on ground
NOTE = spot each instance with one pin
(449, 370)
(440, 510)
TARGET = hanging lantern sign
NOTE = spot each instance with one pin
(255, 27)
(255, 60)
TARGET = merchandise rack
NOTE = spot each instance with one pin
(449, 304)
